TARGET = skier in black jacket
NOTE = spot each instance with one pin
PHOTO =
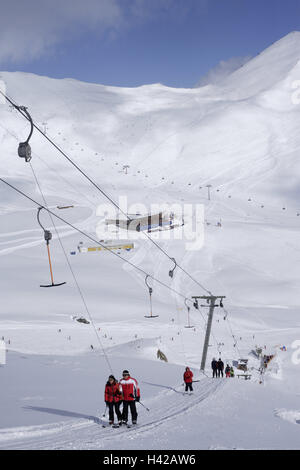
(220, 367)
(214, 366)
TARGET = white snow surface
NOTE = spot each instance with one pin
(242, 138)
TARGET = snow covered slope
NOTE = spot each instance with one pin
(242, 138)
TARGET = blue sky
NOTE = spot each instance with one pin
(135, 42)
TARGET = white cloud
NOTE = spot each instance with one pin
(29, 29)
(224, 68)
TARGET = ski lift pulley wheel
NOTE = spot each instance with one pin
(24, 151)
(47, 235)
(171, 272)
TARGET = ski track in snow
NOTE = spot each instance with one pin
(89, 434)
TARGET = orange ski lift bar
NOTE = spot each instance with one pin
(48, 237)
(24, 150)
(150, 295)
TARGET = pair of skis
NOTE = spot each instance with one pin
(116, 426)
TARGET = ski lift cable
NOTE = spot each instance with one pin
(94, 240)
(177, 265)
(76, 190)
(21, 109)
(18, 108)
(41, 193)
(105, 195)
(72, 272)
(27, 157)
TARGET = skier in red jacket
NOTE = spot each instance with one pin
(188, 379)
(113, 398)
(131, 394)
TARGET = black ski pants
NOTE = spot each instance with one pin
(114, 406)
(132, 405)
(188, 386)
(215, 373)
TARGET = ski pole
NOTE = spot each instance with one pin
(193, 381)
(103, 416)
(143, 405)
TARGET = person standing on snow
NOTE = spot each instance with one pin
(227, 371)
(220, 367)
(131, 394)
(214, 366)
(113, 398)
(188, 379)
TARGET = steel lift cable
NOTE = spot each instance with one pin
(92, 239)
(98, 188)
(73, 274)
(34, 154)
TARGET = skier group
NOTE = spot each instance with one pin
(125, 392)
(218, 369)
